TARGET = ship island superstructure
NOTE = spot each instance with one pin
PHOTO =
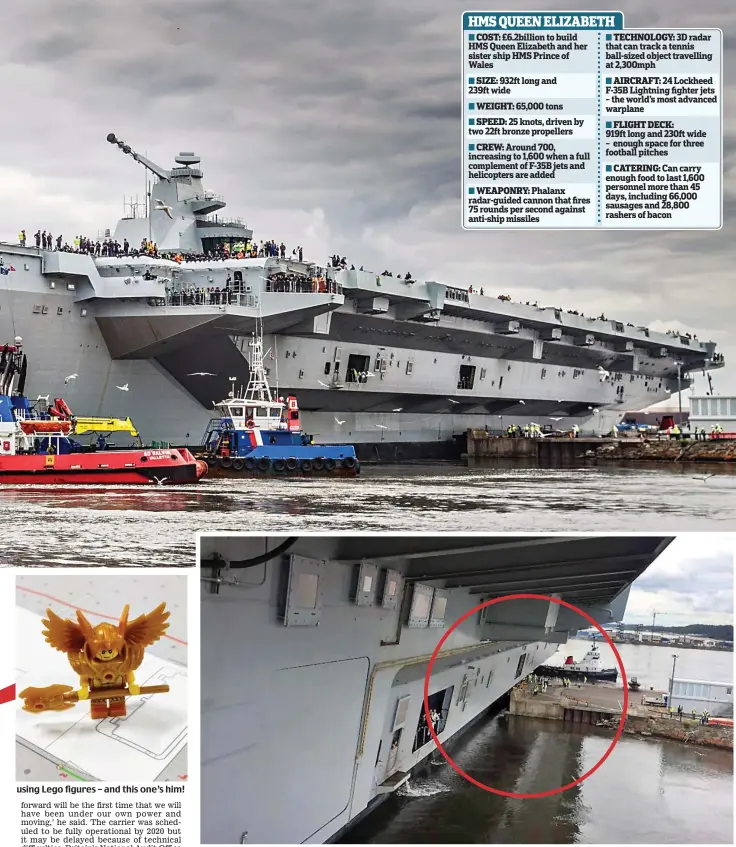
(391, 363)
(315, 651)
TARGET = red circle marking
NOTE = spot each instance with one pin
(482, 785)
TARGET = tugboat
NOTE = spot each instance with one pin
(37, 444)
(589, 667)
(259, 435)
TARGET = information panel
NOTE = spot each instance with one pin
(571, 121)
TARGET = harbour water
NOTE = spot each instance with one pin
(151, 525)
(649, 791)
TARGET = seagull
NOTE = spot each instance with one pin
(323, 384)
(123, 387)
(339, 423)
(201, 373)
(704, 478)
(71, 376)
(400, 409)
(162, 207)
(381, 426)
(456, 402)
(161, 480)
(603, 373)
(555, 419)
(522, 402)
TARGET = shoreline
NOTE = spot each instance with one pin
(483, 448)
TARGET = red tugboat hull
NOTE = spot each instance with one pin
(113, 467)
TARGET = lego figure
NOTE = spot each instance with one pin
(105, 657)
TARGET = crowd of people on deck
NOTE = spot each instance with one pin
(248, 249)
(44, 240)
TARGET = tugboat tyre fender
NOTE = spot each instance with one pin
(291, 464)
(250, 464)
(329, 465)
(226, 462)
(306, 465)
(349, 462)
(238, 464)
(263, 464)
(319, 463)
(278, 465)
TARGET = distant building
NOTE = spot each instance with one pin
(715, 697)
(707, 412)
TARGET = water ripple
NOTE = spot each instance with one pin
(149, 526)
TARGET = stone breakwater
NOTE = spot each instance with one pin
(718, 450)
(688, 731)
(483, 448)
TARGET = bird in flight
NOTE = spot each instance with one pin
(123, 387)
(456, 402)
(201, 373)
(400, 409)
(381, 426)
(522, 402)
(323, 384)
(338, 422)
(704, 478)
(71, 376)
(160, 479)
(555, 419)
(162, 207)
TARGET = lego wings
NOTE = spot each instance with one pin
(64, 635)
(145, 629)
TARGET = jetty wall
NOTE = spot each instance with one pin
(598, 711)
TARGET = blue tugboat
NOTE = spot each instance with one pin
(258, 434)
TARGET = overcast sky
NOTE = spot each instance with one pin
(334, 124)
(691, 582)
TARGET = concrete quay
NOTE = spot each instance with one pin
(578, 704)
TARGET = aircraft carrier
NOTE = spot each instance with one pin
(314, 653)
(396, 366)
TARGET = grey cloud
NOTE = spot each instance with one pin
(700, 583)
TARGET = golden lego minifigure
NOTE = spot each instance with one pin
(105, 657)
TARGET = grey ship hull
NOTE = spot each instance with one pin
(321, 716)
(64, 334)
(373, 360)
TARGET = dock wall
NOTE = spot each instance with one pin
(639, 720)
